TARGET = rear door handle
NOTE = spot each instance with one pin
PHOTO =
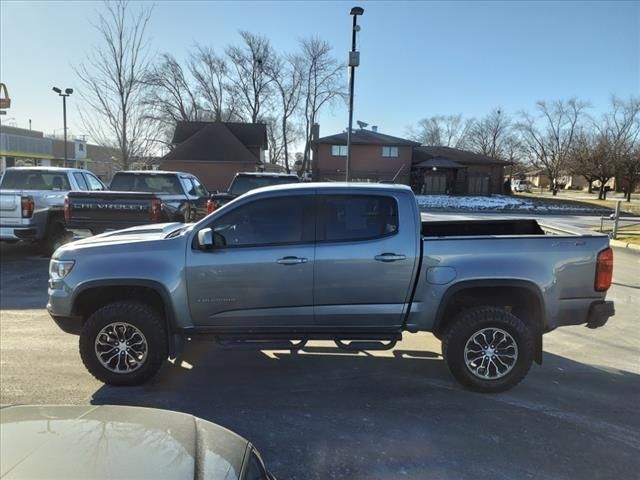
(389, 257)
(291, 260)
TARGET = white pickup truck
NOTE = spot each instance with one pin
(32, 203)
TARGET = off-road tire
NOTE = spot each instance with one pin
(470, 321)
(142, 317)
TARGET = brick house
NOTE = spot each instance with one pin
(377, 157)
(216, 151)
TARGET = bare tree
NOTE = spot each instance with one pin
(442, 130)
(250, 82)
(287, 77)
(170, 96)
(211, 74)
(621, 126)
(549, 135)
(322, 84)
(490, 135)
(590, 157)
(113, 85)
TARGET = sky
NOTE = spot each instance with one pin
(418, 59)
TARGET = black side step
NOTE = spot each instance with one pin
(238, 344)
(359, 345)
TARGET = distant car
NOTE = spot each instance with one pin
(32, 202)
(521, 186)
(246, 181)
(121, 442)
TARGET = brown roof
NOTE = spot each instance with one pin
(212, 142)
(249, 134)
(366, 137)
(463, 157)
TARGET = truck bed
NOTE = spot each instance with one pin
(466, 228)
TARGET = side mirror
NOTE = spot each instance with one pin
(205, 239)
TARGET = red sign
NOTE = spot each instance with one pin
(5, 101)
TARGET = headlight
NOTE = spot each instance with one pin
(58, 269)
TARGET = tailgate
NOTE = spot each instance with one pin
(10, 205)
(108, 210)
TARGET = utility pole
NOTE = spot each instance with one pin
(67, 92)
(354, 61)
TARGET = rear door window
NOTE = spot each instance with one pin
(82, 185)
(356, 217)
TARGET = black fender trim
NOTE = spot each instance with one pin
(493, 283)
(172, 327)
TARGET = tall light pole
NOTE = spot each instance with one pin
(67, 92)
(354, 61)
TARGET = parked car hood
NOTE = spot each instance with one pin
(115, 442)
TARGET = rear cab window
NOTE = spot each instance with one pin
(35, 180)
(149, 183)
(345, 218)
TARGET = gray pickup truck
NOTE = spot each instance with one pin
(352, 264)
(32, 203)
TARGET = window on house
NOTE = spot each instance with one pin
(338, 150)
(390, 152)
(81, 147)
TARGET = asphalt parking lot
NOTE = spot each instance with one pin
(323, 413)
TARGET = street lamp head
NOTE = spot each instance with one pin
(357, 11)
(68, 91)
(57, 90)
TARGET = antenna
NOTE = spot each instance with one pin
(362, 125)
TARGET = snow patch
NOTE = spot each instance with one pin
(494, 202)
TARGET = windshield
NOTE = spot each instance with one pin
(243, 183)
(150, 183)
(34, 180)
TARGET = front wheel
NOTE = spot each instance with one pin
(488, 349)
(124, 343)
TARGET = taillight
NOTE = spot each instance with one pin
(27, 206)
(156, 209)
(604, 270)
(211, 206)
(67, 212)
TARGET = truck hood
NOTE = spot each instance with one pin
(115, 442)
(141, 233)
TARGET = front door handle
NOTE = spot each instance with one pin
(389, 257)
(291, 260)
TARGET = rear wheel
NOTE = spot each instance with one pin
(488, 349)
(124, 343)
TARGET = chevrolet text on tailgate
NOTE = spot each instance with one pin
(349, 263)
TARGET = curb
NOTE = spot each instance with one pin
(621, 244)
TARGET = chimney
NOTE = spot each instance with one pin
(374, 128)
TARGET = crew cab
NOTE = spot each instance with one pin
(244, 182)
(355, 264)
(137, 198)
(32, 201)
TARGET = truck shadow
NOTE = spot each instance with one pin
(23, 277)
(325, 413)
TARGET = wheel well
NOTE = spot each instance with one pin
(520, 301)
(92, 299)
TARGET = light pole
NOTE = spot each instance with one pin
(354, 61)
(67, 92)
